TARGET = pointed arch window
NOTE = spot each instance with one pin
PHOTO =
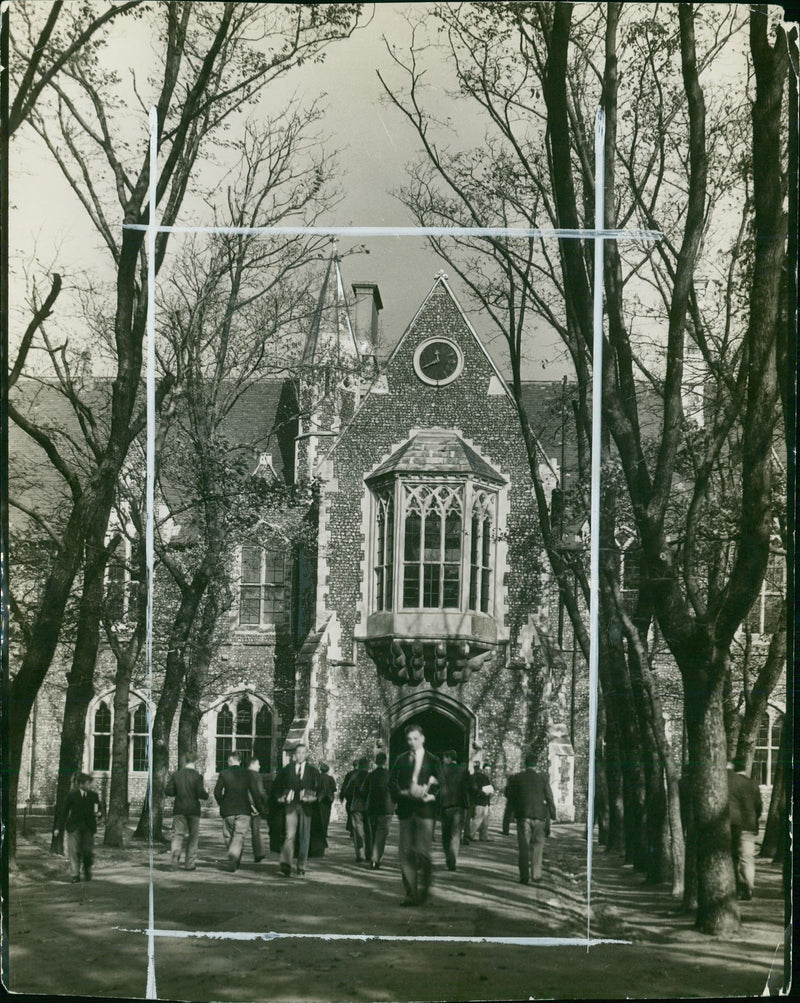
(101, 735)
(432, 548)
(100, 730)
(244, 725)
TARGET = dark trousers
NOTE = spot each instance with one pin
(298, 823)
(530, 839)
(452, 827)
(361, 836)
(325, 817)
(416, 846)
(256, 838)
(379, 830)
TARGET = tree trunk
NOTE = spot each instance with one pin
(120, 753)
(601, 780)
(195, 681)
(717, 908)
(690, 840)
(170, 696)
(80, 681)
(778, 813)
(616, 807)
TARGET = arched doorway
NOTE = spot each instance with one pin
(446, 722)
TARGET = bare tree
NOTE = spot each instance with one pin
(214, 62)
(535, 70)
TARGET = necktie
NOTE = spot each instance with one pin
(417, 766)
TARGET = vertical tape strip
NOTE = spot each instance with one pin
(594, 564)
(149, 530)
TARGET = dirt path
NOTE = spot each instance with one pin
(73, 939)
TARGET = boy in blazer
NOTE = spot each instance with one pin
(186, 786)
(81, 811)
(530, 800)
(414, 784)
(297, 787)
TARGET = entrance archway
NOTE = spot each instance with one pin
(446, 722)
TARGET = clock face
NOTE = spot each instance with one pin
(438, 361)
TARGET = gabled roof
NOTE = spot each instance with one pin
(437, 451)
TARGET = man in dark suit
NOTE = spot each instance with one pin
(349, 797)
(453, 802)
(481, 791)
(261, 781)
(186, 786)
(530, 800)
(744, 801)
(414, 784)
(297, 787)
(82, 808)
(354, 792)
(327, 791)
(380, 808)
(236, 793)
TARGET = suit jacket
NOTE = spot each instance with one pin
(79, 810)
(744, 800)
(356, 791)
(379, 800)
(528, 795)
(400, 778)
(186, 786)
(236, 792)
(286, 780)
(327, 788)
(344, 791)
(263, 784)
(477, 781)
(455, 786)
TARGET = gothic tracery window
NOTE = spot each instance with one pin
(434, 545)
(244, 725)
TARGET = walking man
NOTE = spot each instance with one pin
(256, 838)
(380, 808)
(453, 802)
(82, 808)
(414, 784)
(327, 791)
(481, 791)
(355, 792)
(297, 788)
(744, 800)
(530, 800)
(347, 798)
(186, 786)
(236, 793)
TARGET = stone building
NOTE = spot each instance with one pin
(427, 595)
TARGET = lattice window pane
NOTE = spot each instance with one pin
(102, 752)
(452, 538)
(413, 536)
(224, 749)
(244, 717)
(433, 537)
(411, 585)
(249, 605)
(430, 585)
(276, 569)
(225, 721)
(452, 580)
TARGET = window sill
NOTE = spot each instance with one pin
(433, 625)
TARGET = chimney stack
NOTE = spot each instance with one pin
(365, 316)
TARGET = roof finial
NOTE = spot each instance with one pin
(334, 247)
(441, 274)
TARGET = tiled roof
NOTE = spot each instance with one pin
(437, 451)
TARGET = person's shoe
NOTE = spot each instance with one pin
(192, 868)
(373, 865)
(259, 859)
(524, 881)
(301, 871)
(286, 870)
(451, 867)
(409, 900)
(74, 880)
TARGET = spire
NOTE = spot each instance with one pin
(331, 339)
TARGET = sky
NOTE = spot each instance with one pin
(373, 144)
